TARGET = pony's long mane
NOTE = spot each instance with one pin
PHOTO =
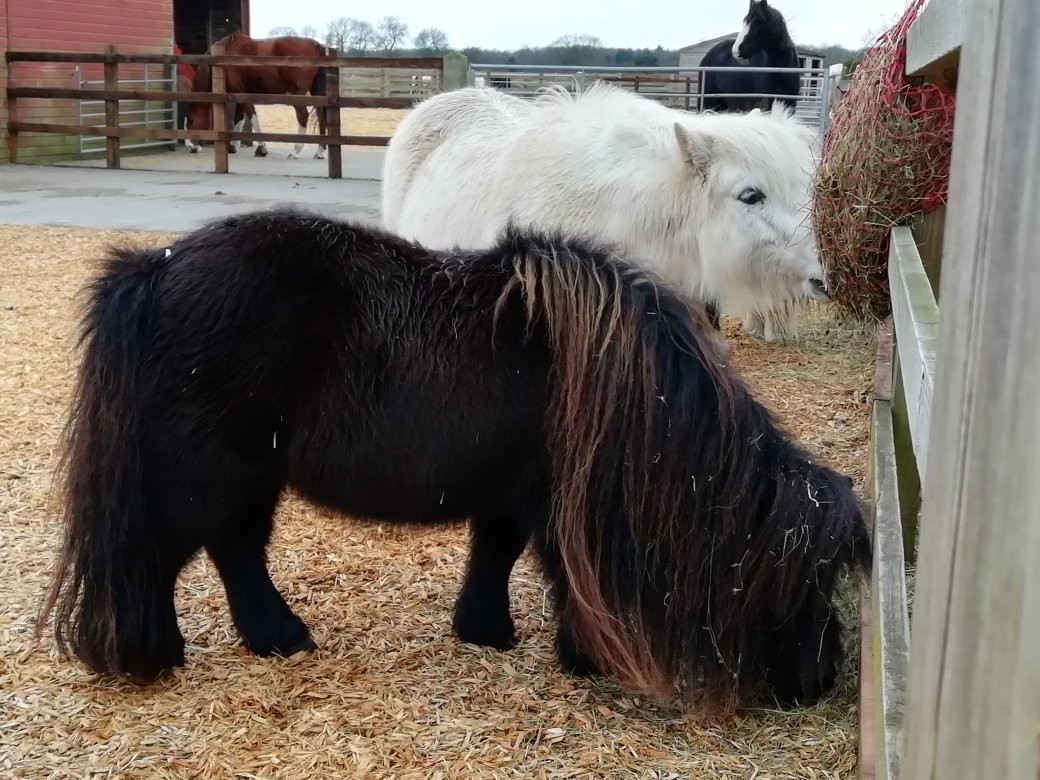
(684, 517)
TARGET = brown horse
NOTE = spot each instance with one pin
(264, 80)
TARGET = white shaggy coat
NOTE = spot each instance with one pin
(715, 205)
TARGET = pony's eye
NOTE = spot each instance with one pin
(751, 196)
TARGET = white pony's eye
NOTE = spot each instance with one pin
(751, 196)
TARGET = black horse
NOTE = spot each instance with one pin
(763, 42)
(544, 389)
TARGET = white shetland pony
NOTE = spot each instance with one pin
(717, 205)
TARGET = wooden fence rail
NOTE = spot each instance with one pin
(219, 98)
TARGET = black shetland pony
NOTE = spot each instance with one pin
(763, 42)
(544, 390)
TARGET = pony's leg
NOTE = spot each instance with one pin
(754, 324)
(301, 120)
(482, 608)
(261, 147)
(570, 658)
(266, 623)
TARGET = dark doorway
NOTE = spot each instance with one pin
(197, 24)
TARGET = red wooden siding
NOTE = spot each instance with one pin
(132, 26)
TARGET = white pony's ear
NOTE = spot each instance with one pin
(695, 148)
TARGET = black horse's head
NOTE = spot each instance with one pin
(764, 27)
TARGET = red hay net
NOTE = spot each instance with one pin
(886, 160)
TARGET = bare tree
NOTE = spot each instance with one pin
(577, 49)
(337, 33)
(431, 41)
(309, 31)
(361, 35)
(392, 31)
(278, 32)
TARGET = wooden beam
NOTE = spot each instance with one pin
(221, 118)
(891, 626)
(973, 702)
(202, 135)
(916, 318)
(112, 115)
(418, 63)
(334, 153)
(934, 39)
(868, 713)
(164, 96)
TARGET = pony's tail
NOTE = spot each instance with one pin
(604, 392)
(107, 566)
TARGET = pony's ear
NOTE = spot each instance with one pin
(695, 149)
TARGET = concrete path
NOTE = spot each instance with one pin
(84, 196)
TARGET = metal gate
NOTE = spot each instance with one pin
(132, 113)
(678, 87)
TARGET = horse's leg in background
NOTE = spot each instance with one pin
(248, 123)
(240, 116)
(263, 619)
(301, 119)
(261, 148)
(323, 130)
(482, 608)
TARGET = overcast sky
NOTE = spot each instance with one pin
(644, 23)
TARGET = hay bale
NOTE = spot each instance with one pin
(886, 161)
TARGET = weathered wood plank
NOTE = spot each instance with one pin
(868, 714)
(202, 135)
(112, 115)
(883, 366)
(227, 59)
(934, 39)
(221, 118)
(916, 318)
(974, 696)
(334, 153)
(891, 626)
(163, 96)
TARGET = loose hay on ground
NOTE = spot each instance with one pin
(390, 693)
(353, 121)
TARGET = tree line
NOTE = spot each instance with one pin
(390, 36)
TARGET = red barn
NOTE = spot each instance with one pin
(133, 27)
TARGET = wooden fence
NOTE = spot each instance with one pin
(219, 97)
(950, 688)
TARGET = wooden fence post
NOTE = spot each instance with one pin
(332, 117)
(220, 117)
(111, 109)
(973, 701)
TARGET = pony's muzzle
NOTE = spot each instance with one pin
(818, 290)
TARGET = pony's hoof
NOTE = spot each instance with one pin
(571, 660)
(193, 149)
(288, 637)
(232, 150)
(261, 151)
(292, 156)
(477, 623)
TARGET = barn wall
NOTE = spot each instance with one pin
(132, 26)
(3, 82)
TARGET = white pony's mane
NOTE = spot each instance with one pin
(750, 138)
